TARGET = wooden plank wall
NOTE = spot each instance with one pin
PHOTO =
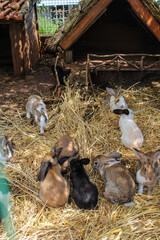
(15, 32)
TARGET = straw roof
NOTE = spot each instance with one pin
(96, 131)
(76, 15)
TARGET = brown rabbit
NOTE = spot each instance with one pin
(69, 150)
(54, 189)
(148, 169)
(120, 186)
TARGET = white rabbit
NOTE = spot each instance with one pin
(148, 170)
(37, 108)
(131, 134)
(114, 101)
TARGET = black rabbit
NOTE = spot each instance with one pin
(85, 193)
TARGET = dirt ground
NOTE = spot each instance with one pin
(15, 90)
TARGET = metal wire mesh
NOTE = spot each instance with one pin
(52, 14)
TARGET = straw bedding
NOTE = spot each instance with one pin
(96, 131)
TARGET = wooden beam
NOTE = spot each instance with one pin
(15, 32)
(97, 10)
(146, 16)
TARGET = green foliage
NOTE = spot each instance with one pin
(47, 22)
(47, 26)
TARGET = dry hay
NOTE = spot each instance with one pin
(96, 132)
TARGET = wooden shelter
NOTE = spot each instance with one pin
(19, 42)
(124, 33)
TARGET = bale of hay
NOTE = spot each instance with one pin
(96, 131)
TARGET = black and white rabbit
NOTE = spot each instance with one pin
(131, 134)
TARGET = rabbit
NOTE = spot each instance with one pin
(85, 193)
(6, 149)
(6, 153)
(131, 134)
(54, 189)
(70, 150)
(114, 101)
(120, 186)
(148, 170)
(37, 108)
(62, 74)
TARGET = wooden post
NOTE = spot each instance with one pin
(15, 32)
(26, 49)
(69, 56)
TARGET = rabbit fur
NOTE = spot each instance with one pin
(37, 108)
(85, 193)
(6, 153)
(70, 151)
(114, 101)
(54, 189)
(131, 134)
(148, 169)
(120, 186)
(6, 149)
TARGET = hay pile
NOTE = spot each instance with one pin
(96, 132)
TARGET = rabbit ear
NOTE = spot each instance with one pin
(118, 111)
(62, 160)
(120, 90)
(115, 155)
(85, 161)
(140, 155)
(121, 111)
(157, 156)
(4, 141)
(45, 166)
(111, 91)
(57, 152)
(111, 162)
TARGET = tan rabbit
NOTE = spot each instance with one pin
(120, 186)
(148, 169)
(37, 108)
(69, 150)
(54, 189)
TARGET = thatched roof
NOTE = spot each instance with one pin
(81, 10)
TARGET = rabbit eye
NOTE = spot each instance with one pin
(95, 163)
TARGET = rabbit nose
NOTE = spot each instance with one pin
(150, 174)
